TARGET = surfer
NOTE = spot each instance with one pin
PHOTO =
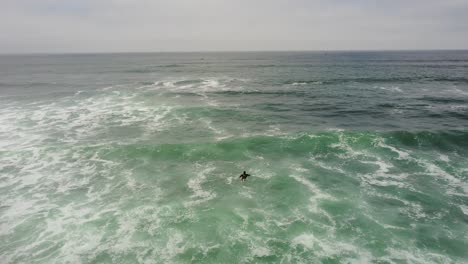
(244, 176)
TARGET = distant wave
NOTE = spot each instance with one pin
(26, 84)
(392, 89)
(258, 92)
(378, 80)
(141, 70)
(299, 144)
(171, 66)
(151, 69)
(420, 61)
(443, 100)
(263, 66)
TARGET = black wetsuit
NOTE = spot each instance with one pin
(244, 176)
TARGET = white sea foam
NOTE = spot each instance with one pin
(322, 164)
(195, 184)
(437, 171)
(429, 166)
(344, 145)
(211, 83)
(260, 251)
(77, 119)
(397, 111)
(413, 255)
(464, 209)
(306, 83)
(458, 91)
(307, 240)
(391, 88)
(299, 83)
(221, 134)
(333, 247)
(49, 172)
(174, 246)
(312, 187)
(402, 155)
(382, 177)
(316, 193)
(444, 158)
(167, 84)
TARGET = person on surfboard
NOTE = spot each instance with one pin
(244, 176)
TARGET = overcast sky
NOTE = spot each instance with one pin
(30, 26)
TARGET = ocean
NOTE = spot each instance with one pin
(355, 157)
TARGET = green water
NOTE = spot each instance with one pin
(135, 158)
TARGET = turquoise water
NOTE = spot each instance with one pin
(355, 157)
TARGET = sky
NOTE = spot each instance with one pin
(77, 26)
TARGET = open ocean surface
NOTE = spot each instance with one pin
(356, 157)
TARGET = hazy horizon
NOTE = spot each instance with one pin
(117, 26)
(228, 51)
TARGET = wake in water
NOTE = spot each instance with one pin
(147, 171)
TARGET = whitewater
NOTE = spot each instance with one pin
(355, 157)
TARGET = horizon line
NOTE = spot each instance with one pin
(219, 51)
